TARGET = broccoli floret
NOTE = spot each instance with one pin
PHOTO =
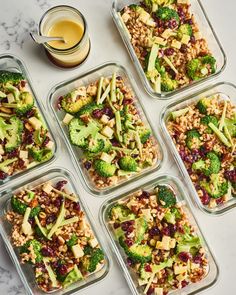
(11, 77)
(138, 253)
(203, 104)
(184, 29)
(209, 119)
(193, 139)
(89, 108)
(231, 126)
(211, 165)
(92, 259)
(36, 245)
(165, 196)
(128, 163)
(167, 14)
(73, 102)
(13, 134)
(20, 208)
(168, 84)
(72, 241)
(133, 6)
(144, 275)
(215, 187)
(23, 104)
(73, 276)
(95, 145)
(40, 155)
(104, 169)
(144, 135)
(79, 132)
(158, 66)
(188, 243)
(121, 213)
(201, 67)
(4, 165)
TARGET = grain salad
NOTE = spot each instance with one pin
(162, 249)
(204, 133)
(51, 232)
(104, 121)
(167, 42)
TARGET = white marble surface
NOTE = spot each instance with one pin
(17, 18)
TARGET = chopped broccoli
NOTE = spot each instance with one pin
(23, 104)
(170, 217)
(95, 145)
(73, 102)
(184, 29)
(179, 113)
(168, 84)
(215, 188)
(211, 165)
(88, 109)
(73, 276)
(104, 169)
(166, 14)
(155, 268)
(11, 77)
(92, 259)
(40, 155)
(36, 247)
(79, 132)
(140, 227)
(193, 139)
(4, 165)
(203, 104)
(72, 241)
(121, 212)
(13, 134)
(231, 126)
(176, 212)
(165, 196)
(144, 135)
(188, 243)
(209, 119)
(128, 163)
(138, 253)
(201, 67)
(20, 207)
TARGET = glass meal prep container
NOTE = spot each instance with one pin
(206, 30)
(64, 181)
(164, 262)
(36, 134)
(106, 71)
(209, 144)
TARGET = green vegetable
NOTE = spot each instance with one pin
(165, 196)
(4, 165)
(168, 84)
(51, 273)
(176, 213)
(211, 165)
(59, 220)
(41, 230)
(13, 134)
(92, 259)
(113, 88)
(121, 212)
(95, 145)
(24, 103)
(144, 135)
(216, 187)
(104, 169)
(201, 67)
(187, 243)
(79, 132)
(12, 77)
(138, 253)
(36, 245)
(170, 217)
(193, 139)
(128, 163)
(166, 14)
(209, 119)
(118, 126)
(72, 102)
(220, 135)
(40, 155)
(231, 126)
(99, 92)
(184, 29)
(203, 104)
(73, 276)
(20, 208)
(155, 268)
(140, 228)
(152, 58)
(88, 109)
(72, 241)
(176, 114)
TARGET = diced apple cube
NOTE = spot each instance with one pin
(47, 188)
(172, 243)
(166, 242)
(194, 265)
(159, 41)
(1, 150)
(111, 123)
(142, 282)
(125, 17)
(50, 144)
(77, 251)
(158, 291)
(198, 35)
(147, 214)
(183, 2)
(93, 242)
(36, 123)
(179, 269)
(182, 277)
(23, 154)
(67, 119)
(10, 98)
(185, 39)
(176, 44)
(104, 119)
(106, 157)
(81, 91)
(107, 131)
(167, 33)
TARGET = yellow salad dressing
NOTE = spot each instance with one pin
(71, 31)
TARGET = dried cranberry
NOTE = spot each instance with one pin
(46, 141)
(154, 231)
(134, 156)
(150, 291)
(87, 165)
(114, 142)
(144, 195)
(130, 262)
(30, 113)
(219, 201)
(125, 225)
(172, 229)
(77, 207)
(60, 184)
(205, 198)
(197, 259)
(28, 138)
(184, 256)
(108, 111)
(165, 231)
(231, 175)
(116, 225)
(13, 154)
(183, 48)
(22, 83)
(51, 218)
(127, 101)
(21, 164)
(169, 51)
(193, 39)
(184, 283)
(62, 269)
(118, 78)
(171, 24)
(57, 203)
(129, 242)
(189, 21)
(148, 268)
(172, 73)
(59, 102)
(144, 53)
(97, 114)
(47, 251)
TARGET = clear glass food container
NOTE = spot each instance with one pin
(228, 92)
(14, 64)
(105, 70)
(25, 270)
(205, 28)
(213, 272)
